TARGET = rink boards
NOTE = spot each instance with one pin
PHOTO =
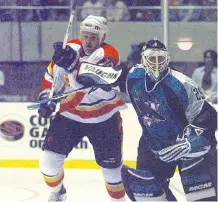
(22, 132)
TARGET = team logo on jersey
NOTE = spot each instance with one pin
(153, 116)
(198, 131)
(148, 110)
(155, 44)
(188, 130)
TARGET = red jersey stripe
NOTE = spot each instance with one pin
(99, 112)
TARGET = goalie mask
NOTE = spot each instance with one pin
(155, 59)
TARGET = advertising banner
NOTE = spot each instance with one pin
(22, 133)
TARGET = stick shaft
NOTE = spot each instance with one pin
(73, 10)
(68, 28)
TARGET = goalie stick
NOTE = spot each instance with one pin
(73, 10)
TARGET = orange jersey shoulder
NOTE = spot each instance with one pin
(112, 53)
(75, 41)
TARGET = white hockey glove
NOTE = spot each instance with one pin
(193, 145)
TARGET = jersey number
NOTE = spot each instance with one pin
(199, 95)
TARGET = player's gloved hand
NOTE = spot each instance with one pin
(66, 58)
(194, 145)
(46, 109)
(175, 152)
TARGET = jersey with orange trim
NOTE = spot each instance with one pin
(83, 106)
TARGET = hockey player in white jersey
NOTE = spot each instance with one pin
(88, 64)
(178, 130)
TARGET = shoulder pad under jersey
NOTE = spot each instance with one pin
(106, 55)
(136, 71)
(185, 80)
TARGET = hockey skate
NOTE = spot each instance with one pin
(59, 196)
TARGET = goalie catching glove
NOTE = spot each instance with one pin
(66, 58)
(193, 145)
(46, 109)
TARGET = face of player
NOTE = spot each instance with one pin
(155, 60)
(90, 42)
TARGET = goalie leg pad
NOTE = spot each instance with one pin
(141, 185)
(197, 179)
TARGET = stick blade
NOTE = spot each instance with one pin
(33, 106)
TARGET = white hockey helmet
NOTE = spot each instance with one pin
(95, 24)
(155, 59)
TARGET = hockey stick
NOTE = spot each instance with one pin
(61, 96)
(73, 10)
(57, 97)
(37, 106)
